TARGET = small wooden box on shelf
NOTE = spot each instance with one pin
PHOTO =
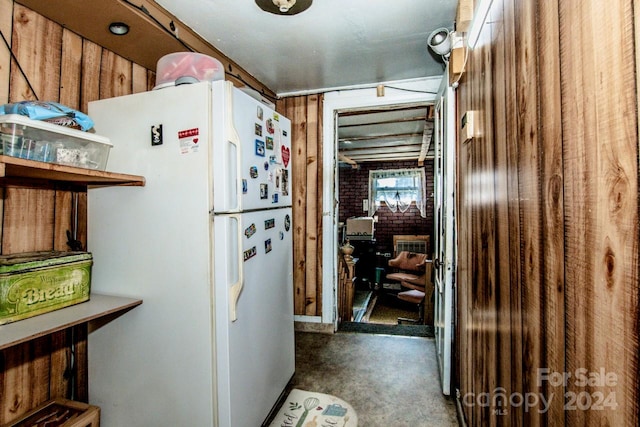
(60, 413)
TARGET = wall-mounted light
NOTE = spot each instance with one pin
(440, 42)
(479, 18)
(118, 28)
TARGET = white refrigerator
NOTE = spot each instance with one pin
(207, 245)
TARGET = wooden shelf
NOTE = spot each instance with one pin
(35, 327)
(13, 167)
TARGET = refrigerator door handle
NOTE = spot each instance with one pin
(236, 288)
(233, 138)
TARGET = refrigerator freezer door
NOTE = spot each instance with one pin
(260, 355)
(251, 153)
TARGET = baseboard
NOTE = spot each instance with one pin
(323, 328)
(459, 411)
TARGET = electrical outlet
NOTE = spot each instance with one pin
(467, 126)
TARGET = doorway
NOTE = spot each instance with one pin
(355, 157)
(385, 183)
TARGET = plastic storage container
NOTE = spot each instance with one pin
(30, 139)
(187, 67)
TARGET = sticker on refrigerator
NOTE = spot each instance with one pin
(156, 135)
(260, 113)
(253, 171)
(267, 246)
(278, 179)
(286, 154)
(281, 235)
(266, 166)
(276, 117)
(269, 142)
(269, 223)
(258, 129)
(189, 139)
(244, 186)
(250, 231)
(264, 191)
(287, 222)
(274, 198)
(277, 144)
(270, 128)
(250, 253)
(284, 182)
(260, 148)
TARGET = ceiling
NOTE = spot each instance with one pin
(333, 44)
(402, 132)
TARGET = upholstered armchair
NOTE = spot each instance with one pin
(413, 271)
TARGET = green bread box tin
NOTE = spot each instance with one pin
(35, 283)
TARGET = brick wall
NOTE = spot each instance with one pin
(354, 188)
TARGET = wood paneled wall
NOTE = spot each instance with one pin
(305, 113)
(548, 217)
(59, 66)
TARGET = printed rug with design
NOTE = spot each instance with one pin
(309, 409)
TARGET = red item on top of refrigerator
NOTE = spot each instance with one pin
(187, 67)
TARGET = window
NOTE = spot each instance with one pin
(397, 188)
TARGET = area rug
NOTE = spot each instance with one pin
(308, 409)
(386, 311)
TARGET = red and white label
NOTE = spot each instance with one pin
(188, 133)
(188, 140)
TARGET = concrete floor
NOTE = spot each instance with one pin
(390, 381)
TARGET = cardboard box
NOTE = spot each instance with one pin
(39, 282)
(60, 412)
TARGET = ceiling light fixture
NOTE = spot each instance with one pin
(479, 18)
(284, 7)
(118, 28)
